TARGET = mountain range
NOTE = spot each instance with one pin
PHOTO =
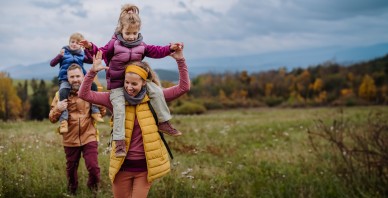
(250, 63)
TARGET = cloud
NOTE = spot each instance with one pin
(34, 30)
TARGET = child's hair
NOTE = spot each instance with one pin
(129, 18)
(77, 36)
(151, 74)
(74, 66)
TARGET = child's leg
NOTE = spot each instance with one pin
(162, 111)
(94, 108)
(64, 91)
(118, 103)
(158, 102)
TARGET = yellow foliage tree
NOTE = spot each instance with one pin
(268, 89)
(10, 103)
(367, 89)
(318, 85)
(222, 96)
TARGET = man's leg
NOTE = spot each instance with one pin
(90, 153)
(73, 155)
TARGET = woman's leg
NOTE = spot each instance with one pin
(131, 185)
(122, 185)
(141, 187)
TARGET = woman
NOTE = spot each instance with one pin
(147, 157)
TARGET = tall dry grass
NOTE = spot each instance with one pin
(261, 152)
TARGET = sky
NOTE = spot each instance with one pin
(34, 31)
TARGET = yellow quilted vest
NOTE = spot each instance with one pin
(158, 161)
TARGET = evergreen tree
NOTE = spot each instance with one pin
(39, 103)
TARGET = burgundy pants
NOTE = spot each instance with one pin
(73, 156)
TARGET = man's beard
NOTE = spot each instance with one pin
(75, 87)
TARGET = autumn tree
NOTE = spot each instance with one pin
(10, 103)
(367, 89)
(22, 92)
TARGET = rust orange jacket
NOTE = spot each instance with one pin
(81, 125)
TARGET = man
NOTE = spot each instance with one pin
(82, 133)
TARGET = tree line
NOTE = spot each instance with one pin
(17, 103)
(329, 83)
(326, 84)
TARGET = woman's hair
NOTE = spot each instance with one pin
(129, 18)
(151, 74)
(77, 36)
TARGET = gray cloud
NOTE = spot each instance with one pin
(47, 5)
(214, 28)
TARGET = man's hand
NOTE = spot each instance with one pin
(85, 43)
(97, 60)
(62, 105)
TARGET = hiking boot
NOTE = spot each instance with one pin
(120, 148)
(97, 117)
(63, 128)
(166, 127)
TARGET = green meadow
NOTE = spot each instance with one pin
(260, 152)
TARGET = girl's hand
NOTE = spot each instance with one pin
(176, 46)
(85, 43)
(62, 52)
(97, 60)
(178, 54)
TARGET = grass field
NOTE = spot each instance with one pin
(260, 152)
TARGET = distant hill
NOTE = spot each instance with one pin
(45, 71)
(163, 74)
(287, 59)
(250, 62)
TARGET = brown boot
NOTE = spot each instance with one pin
(166, 127)
(120, 148)
(97, 117)
(63, 128)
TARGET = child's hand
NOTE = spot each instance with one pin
(178, 54)
(62, 52)
(85, 43)
(97, 60)
(62, 105)
(176, 46)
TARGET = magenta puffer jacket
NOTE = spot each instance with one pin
(117, 57)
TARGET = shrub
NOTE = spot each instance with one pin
(273, 101)
(189, 108)
(357, 152)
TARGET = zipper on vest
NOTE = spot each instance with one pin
(79, 131)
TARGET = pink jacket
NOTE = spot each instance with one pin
(117, 56)
(102, 98)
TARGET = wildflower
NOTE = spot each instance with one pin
(187, 171)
